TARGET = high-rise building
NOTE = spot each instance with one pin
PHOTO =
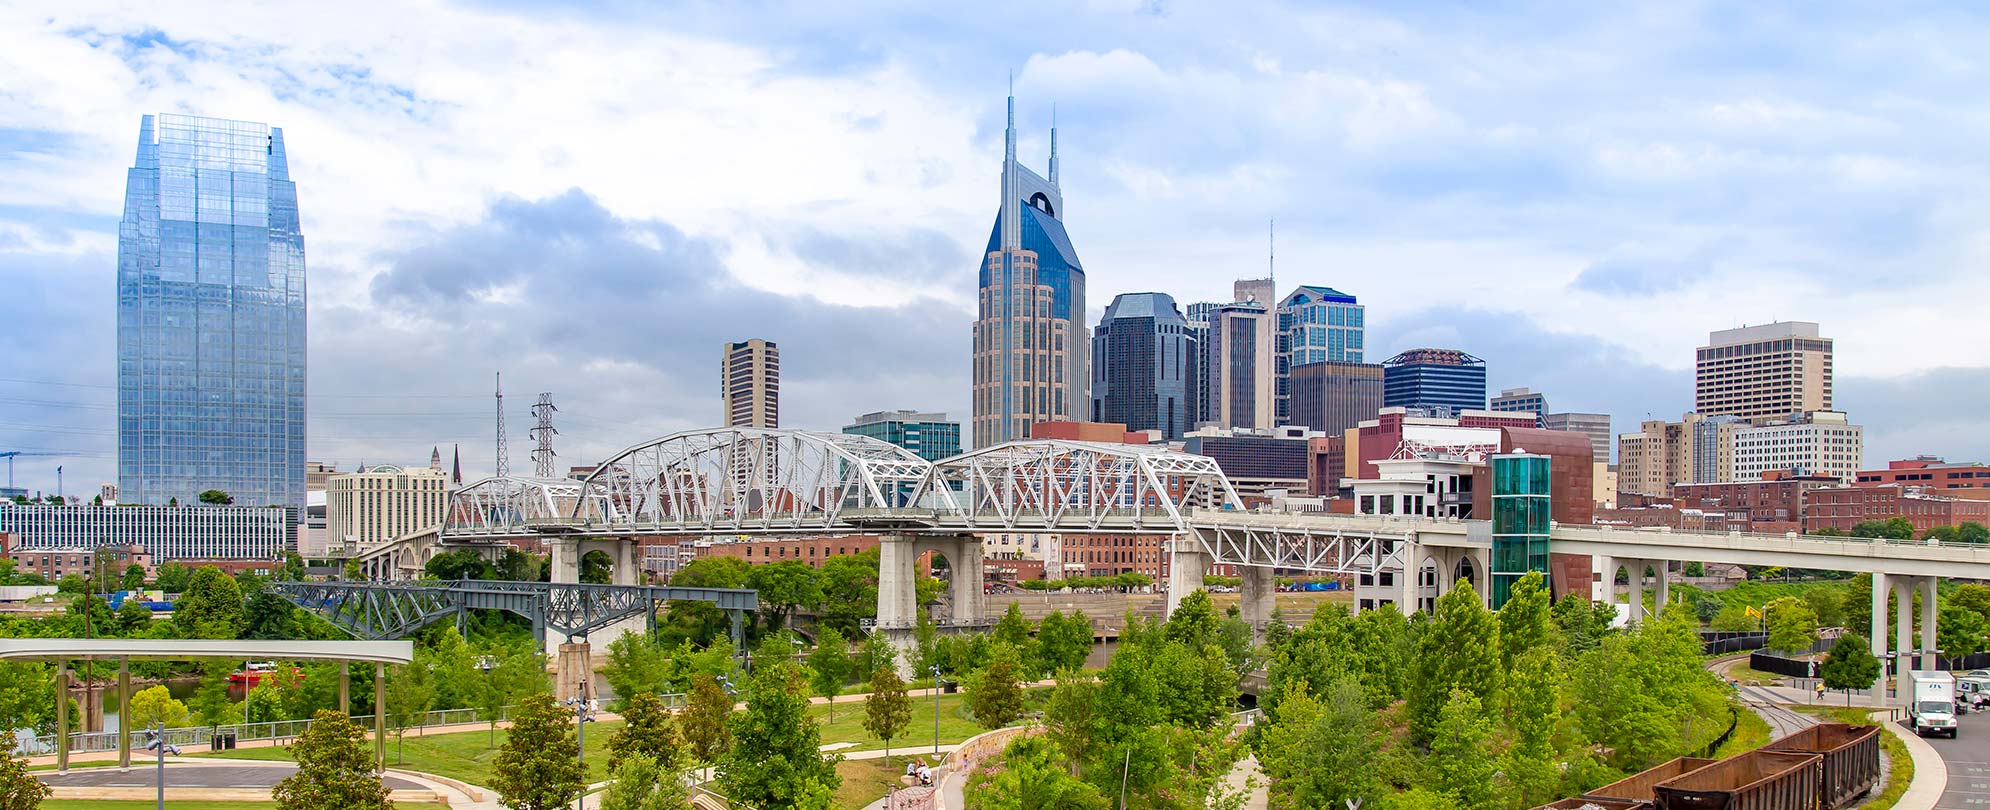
(1144, 361)
(1030, 346)
(1713, 449)
(1315, 325)
(381, 504)
(168, 533)
(1261, 291)
(1664, 453)
(1332, 397)
(928, 435)
(1444, 381)
(1594, 425)
(1241, 353)
(1198, 315)
(751, 384)
(1523, 400)
(1821, 443)
(1767, 373)
(210, 316)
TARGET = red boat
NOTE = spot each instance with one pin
(253, 672)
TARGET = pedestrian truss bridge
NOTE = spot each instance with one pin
(757, 482)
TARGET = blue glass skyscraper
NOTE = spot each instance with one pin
(1445, 381)
(210, 316)
(1144, 365)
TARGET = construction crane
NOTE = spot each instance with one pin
(9, 456)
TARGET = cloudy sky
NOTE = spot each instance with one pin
(592, 200)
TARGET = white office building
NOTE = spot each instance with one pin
(168, 533)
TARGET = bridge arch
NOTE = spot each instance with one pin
(1055, 484)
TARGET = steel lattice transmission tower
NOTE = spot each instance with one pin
(542, 456)
(503, 452)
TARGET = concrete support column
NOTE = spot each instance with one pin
(565, 559)
(380, 715)
(1928, 613)
(1187, 565)
(968, 597)
(1879, 637)
(61, 716)
(1481, 572)
(1664, 589)
(345, 688)
(1605, 588)
(1903, 637)
(628, 567)
(1407, 579)
(1259, 591)
(124, 714)
(1635, 574)
(572, 671)
(898, 582)
(1441, 562)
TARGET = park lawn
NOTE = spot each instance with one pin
(465, 756)
(956, 723)
(1750, 732)
(1754, 677)
(866, 781)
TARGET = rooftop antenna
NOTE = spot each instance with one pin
(542, 456)
(1053, 143)
(503, 464)
(1271, 258)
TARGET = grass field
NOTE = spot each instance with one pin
(466, 756)
(1750, 732)
(866, 781)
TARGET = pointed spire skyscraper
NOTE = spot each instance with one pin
(1031, 348)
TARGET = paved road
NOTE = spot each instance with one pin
(1968, 760)
(261, 777)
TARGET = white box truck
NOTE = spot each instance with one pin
(1931, 703)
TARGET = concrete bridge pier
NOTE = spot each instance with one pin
(1259, 594)
(573, 670)
(1188, 563)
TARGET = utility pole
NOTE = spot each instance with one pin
(542, 455)
(503, 453)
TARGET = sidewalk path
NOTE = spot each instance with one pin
(1241, 777)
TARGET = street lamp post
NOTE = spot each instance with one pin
(579, 703)
(487, 664)
(936, 709)
(159, 772)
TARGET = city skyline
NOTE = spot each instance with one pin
(421, 289)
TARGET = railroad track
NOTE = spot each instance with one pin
(1782, 721)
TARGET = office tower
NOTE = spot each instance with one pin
(1262, 291)
(1777, 371)
(1332, 397)
(928, 435)
(1523, 400)
(1594, 425)
(1144, 365)
(382, 504)
(1030, 346)
(1659, 455)
(1442, 381)
(1241, 352)
(1820, 443)
(751, 380)
(1197, 315)
(1315, 325)
(210, 316)
(1713, 449)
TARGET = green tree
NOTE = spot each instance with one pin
(1582, 623)
(829, 666)
(1322, 752)
(1970, 595)
(783, 586)
(334, 769)
(1014, 630)
(1534, 715)
(153, 705)
(775, 759)
(637, 662)
(453, 668)
(849, 592)
(596, 567)
(1827, 604)
(27, 696)
(887, 712)
(1895, 528)
(19, 789)
(536, 768)
(211, 705)
(270, 617)
(1851, 665)
(1959, 631)
(133, 617)
(876, 652)
(1706, 606)
(1063, 642)
(1032, 777)
(134, 577)
(644, 783)
(1459, 650)
(411, 692)
(173, 577)
(72, 583)
(463, 564)
(1524, 621)
(215, 497)
(646, 732)
(706, 713)
(1461, 763)
(994, 696)
(211, 606)
(508, 676)
(1792, 625)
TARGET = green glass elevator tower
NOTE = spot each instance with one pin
(1519, 520)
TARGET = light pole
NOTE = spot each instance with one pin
(936, 709)
(159, 773)
(579, 702)
(487, 664)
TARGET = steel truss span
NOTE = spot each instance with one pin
(1333, 551)
(765, 481)
(389, 610)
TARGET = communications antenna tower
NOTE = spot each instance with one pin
(503, 452)
(542, 456)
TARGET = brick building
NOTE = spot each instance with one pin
(1930, 472)
(812, 550)
(1843, 507)
(54, 563)
(1770, 505)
